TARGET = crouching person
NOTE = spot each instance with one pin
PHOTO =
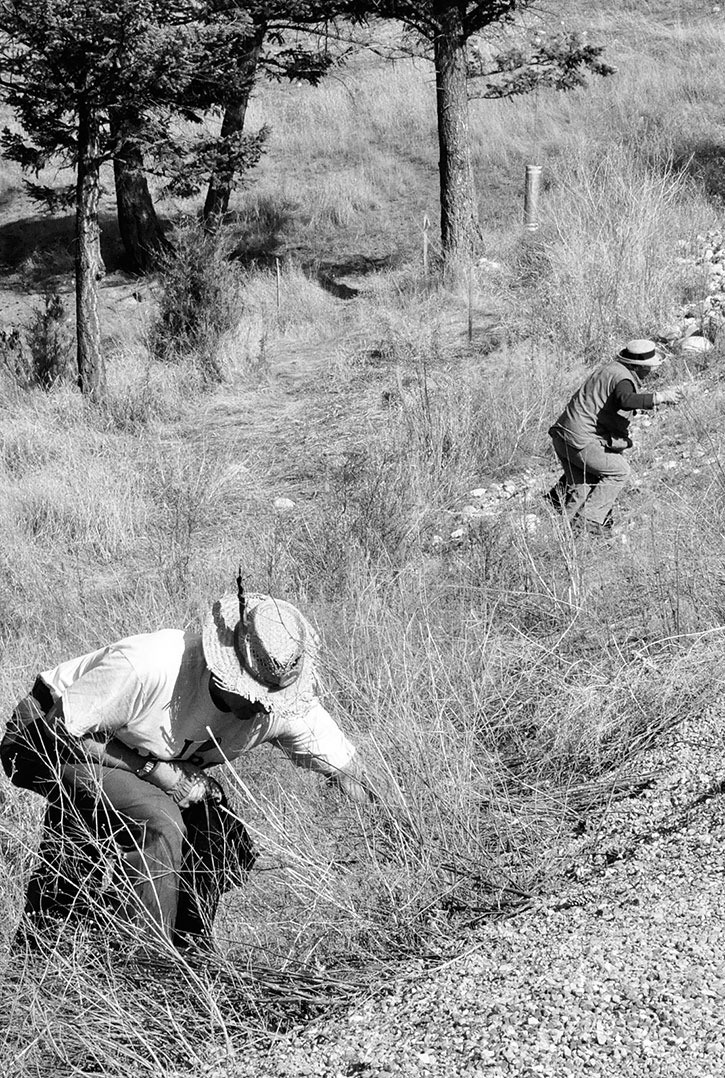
(119, 742)
(592, 433)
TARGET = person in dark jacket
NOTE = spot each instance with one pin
(592, 433)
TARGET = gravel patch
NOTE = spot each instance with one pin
(621, 972)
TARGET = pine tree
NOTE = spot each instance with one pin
(69, 68)
(273, 49)
(449, 29)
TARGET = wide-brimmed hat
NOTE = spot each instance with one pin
(642, 353)
(264, 652)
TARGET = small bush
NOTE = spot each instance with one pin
(199, 301)
(42, 354)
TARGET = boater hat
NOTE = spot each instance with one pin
(640, 354)
(263, 649)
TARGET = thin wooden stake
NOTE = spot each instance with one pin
(279, 287)
(426, 226)
(470, 304)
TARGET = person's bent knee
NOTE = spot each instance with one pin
(619, 468)
(145, 813)
(164, 828)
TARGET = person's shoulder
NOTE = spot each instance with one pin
(597, 374)
(611, 373)
(149, 650)
(616, 369)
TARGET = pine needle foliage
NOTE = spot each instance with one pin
(200, 298)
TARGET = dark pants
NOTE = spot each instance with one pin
(593, 479)
(111, 838)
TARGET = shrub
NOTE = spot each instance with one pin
(199, 300)
(42, 354)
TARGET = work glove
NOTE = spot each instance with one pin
(667, 396)
(184, 783)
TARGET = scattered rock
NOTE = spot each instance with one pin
(283, 505)
(488, 265)
(694, 343)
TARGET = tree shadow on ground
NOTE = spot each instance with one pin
(43, 247)
(263, 237)
(327, 274)
(261, 231)
(705, 162)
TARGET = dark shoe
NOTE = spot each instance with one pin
(556, 497)
(194, 948)
(591, 527)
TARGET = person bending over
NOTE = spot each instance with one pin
(119, 741)
(592, 433)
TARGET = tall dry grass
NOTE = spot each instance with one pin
(618, 224)
(501, 690)
(499, 693)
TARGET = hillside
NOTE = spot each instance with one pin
(539, 892)
(618, 973)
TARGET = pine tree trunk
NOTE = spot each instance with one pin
(88, 264)
(460, 229)
(222, 180)
(141, 234)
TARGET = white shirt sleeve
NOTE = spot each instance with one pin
(105, 698)
(315, 741)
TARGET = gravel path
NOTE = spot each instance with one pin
(622, 972)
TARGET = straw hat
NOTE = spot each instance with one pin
(642, 353)
(267, 655)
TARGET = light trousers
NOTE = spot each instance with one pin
(593, 479)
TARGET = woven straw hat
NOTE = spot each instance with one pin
(640, 353)
(268, 657)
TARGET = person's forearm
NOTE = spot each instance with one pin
(627, 398)
(183, 782)
(113, 753)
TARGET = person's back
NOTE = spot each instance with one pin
(593, 412)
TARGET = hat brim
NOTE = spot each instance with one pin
(224, 662)
(655, 361)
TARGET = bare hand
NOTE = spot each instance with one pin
(190, 789)
(184, 783)
(667, 396)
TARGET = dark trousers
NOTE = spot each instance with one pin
(110, 838)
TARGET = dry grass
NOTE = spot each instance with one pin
(615, 225)
(501, 690)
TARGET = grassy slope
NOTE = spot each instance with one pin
(497, 688)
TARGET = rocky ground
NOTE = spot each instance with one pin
(621, 972)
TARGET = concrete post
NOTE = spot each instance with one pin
(531, 198)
